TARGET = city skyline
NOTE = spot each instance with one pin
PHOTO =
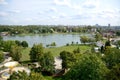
(59, 12)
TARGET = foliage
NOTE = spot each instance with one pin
(89, 67)
(118, 43)
(18, 42)
(76, 50)
(68, 59)
(112, 57)
(1, 38)
(19, 76)
(98, 37)
(54, 51)
(52, 44)
(36, 29)
(118, 33)
(85, 39)
(1, 42)
(35, 52)
(107, 43)
(1, 56)
(24, 76)
(47, 62)
(24, 43)
(7, 45)
(15, 52)
(114, 73)
(92, 49)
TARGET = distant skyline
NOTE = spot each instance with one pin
(60, 12)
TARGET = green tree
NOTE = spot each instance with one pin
(112, 57)
(53, 44)
(15, 52)
(18, 42)
(98, 37)
(24, 43)
(36, 76)
(35, 52)
(1, 38)
(84, 39)
(68, 59)
(19, 76)
(1, 42)
(24, 76)
(107, 43)
(114, 73)
(7, 45)
(47, 62)
(76, 50)
(1, 56)
(88, 67)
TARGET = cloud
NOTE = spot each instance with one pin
(109, 13)
(62, 2)
(28, 19)
(81, 16)
(90, 4)
(68, 3)
(14, 11)
(53, 10)
(62, 15)
(3, 14)
(3, 2)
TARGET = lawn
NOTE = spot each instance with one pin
(55, 51)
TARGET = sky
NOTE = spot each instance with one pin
(60, 12)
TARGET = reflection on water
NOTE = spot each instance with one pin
(59, 39)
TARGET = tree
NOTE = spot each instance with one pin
(84, 39)
(36, 76)
(1, 38)
(15, 52)
(19, 76)
(53, 44)
(118, 43)
(47, 62)
(88, 67)
(1, 56)
(1, 42)
(24, 43)
(7, 45)
(68, 59)
(107, 44)
(76, 50)
(24, 76)
(114, 73)
(35, 52)
(18, 42)
(112, 57)
(98, 37)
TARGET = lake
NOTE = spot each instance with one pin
(59, 39)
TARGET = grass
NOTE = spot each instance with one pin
(25, 54)
(52, 78)
(55, 51)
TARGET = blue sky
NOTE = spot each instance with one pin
(59, 12)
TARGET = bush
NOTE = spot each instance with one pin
(1, 56)
(24, 44)
(88, 67)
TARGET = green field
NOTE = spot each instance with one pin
(55, 51)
